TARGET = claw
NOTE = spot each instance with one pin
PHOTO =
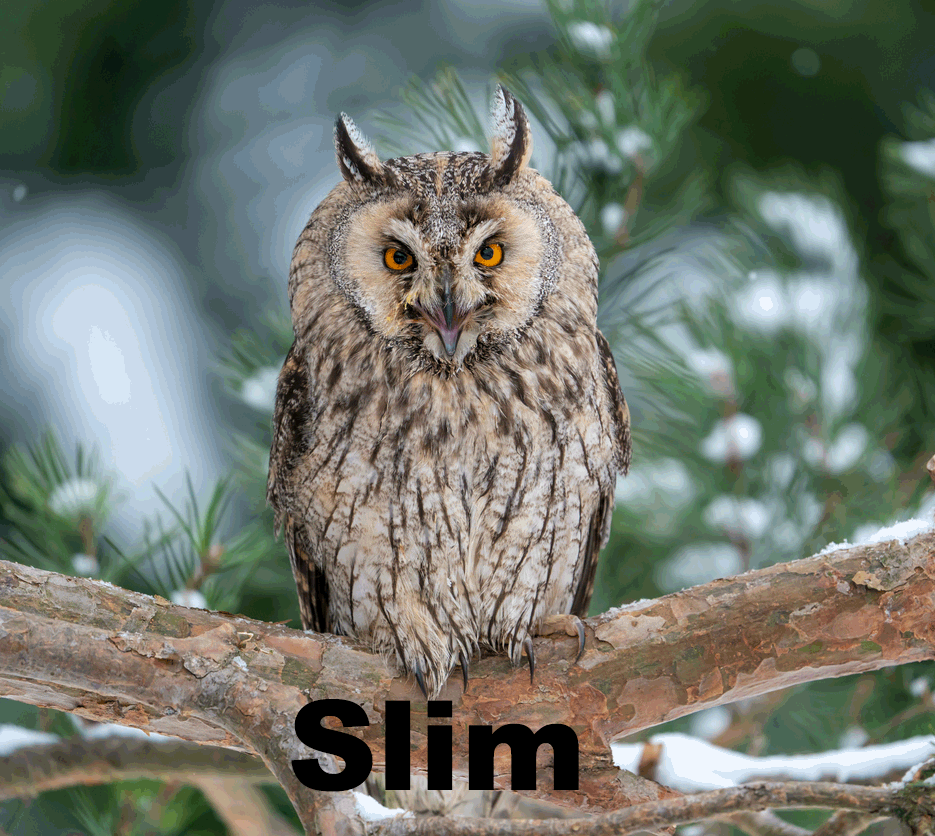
(421, 680)
(464, 669)
(579, 624)
(531, 655)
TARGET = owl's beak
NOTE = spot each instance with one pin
(449, 328)
(445, 318)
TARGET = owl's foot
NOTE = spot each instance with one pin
(417, 672)
(530, 652)
(566, 623)
(579, 625)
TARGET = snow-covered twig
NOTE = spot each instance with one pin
(688, 764)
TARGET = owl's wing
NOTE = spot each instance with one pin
(311, 583)
(290, 442)
(620, 412)
(599, 525)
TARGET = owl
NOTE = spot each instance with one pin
(449, 425)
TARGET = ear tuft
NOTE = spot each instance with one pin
(357, 160)
(511, 143)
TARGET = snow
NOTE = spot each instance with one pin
(843, 454)
(780, 470)
(605, 107)
(740, 436)
(814, 225)
(16, 737)
(714, 368)
(372, 810)
(881, 465)
(926, 509)
(847, 448)
(913, 771)
(698, 563)
(853, 738)
(464, 144)
(74, 497)
(663, 483)
(189, 598)
(630, 606)
(259, 390)
(902, 531)
(919, 687)
(613, 217)
(690, 765)
(105, 731)
(738, 516)
(868, 535)
(812, 298)
(596, 154)
(711, 722)
(839, 389)
(802, 388)
(85, 564)
(591, 37)
(810, 510)
(761, 305)
(920, 156)
(632, 140)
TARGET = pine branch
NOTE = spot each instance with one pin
(117, 656)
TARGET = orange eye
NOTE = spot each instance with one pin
(397, 259)
(490, 255)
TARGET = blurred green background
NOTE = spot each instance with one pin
(157, 162)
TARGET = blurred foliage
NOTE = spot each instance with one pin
(782, 407)
(74, 74)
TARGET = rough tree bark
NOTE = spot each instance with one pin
(117, 656)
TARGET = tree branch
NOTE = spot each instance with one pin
(916, 807)
(117, 656)
(847, 823)
(89, 761)
(243, 809)
(765, 823)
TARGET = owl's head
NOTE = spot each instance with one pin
(447, 254)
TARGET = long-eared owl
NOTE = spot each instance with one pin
(449, 425)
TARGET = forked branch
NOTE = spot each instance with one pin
(118, 656)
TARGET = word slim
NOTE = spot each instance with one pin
(482, 740)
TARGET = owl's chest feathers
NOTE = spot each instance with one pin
(437, 470)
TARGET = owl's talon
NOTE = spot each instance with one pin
(579, 624)
(531, 655)
(421, 680)
(464, 670)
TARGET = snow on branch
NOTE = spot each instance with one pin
(688, 764)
